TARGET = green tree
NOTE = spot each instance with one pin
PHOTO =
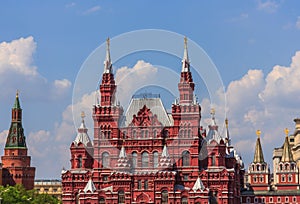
(19, 195)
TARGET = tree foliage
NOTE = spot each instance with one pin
(19, 195)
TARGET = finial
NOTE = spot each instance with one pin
(185, 41)
(226, 123)
(286, 131)
(82, 115)
(17, 93)
(212, 112)
(258, 132)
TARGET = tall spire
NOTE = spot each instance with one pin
(258, 155)
(107, 62)
(185, 60)
(287, 153)
(227, 137)
(16, 138)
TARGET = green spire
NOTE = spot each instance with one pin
(15, 137)
(258, 155)
(17, 102)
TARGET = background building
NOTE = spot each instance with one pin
(51, 187)
(283, 185)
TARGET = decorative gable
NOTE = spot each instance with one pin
(145, 118)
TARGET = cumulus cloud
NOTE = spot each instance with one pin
(18, 71)
(269, 6)
(269, 103)
(131, 79)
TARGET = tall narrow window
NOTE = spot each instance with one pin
(145, 159)
(105, 159)
(146, 184)
(155, 159)
(134, 134)
(139, 184)
(134, 159)
(213, 160)
(154, 133)
(121, 197)
(164, 197)
(185, 158)
(79, 161)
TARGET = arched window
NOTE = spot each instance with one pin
(282, 178)
(145, 159)
(134, 159)
(185, 158)
(146, 184)
(154, 133)
(121, 197)
(79, 161)
(146, 133)
(105, 159)
(164, 197)
(155, 159)
(184, 200)
(101, 201)
(248, 200)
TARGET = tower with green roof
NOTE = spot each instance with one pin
(16, 162)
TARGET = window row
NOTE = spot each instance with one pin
(145, 159)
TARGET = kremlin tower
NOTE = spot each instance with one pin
(16, 167)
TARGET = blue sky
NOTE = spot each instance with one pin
(253, 45)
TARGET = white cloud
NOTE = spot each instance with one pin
(269, 6)
(92, 10)
(131, 79)
(3, 136)
(19, 72)
(267, 103)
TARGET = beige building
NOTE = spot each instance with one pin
(50, 187)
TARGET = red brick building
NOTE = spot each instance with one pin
(147, 155)
(281, 186)
(16, 167)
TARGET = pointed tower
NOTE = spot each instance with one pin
(107, 116)
(186, 85)
(258, 172)
(216, 146)
(108, 85)
(16, 163)
(186, 113)
(286, 170)
(82, 148)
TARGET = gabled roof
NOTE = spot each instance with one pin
(153, 102)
